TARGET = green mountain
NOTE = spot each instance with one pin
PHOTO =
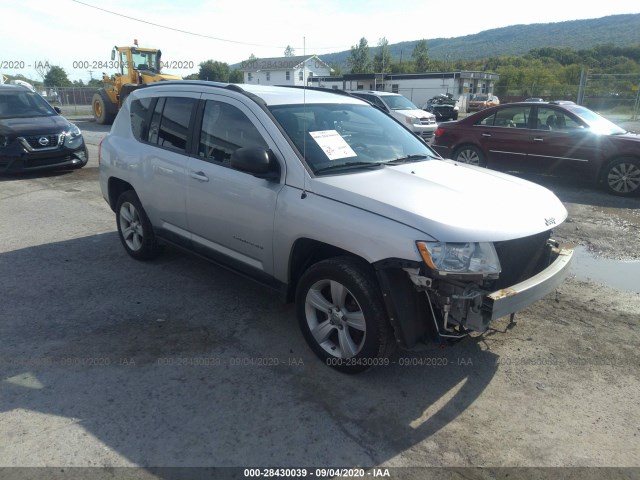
(618, 30)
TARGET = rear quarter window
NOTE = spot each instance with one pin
(140, 118)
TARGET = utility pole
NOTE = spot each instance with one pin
(582, 87)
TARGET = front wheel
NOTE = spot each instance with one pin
(104, 111)
(134, 228)
(622, 177)
(341, 315)
(470, 155)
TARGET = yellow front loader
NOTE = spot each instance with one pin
(136, 66)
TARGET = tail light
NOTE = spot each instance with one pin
(439, 132)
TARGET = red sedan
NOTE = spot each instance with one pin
(558, 138)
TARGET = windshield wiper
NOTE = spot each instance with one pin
(350, 166)
(409, 159)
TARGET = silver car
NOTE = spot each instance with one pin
(378, 240)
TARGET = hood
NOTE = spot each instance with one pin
(21, 127)
(449, 201)
(628, 137)
(415, 113)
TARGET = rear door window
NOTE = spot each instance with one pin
(174, 126)
(169, 126)
(512, 117)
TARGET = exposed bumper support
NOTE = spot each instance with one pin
(515, 298)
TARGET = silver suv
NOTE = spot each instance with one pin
(378, 240)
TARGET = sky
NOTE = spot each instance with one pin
(76, 36)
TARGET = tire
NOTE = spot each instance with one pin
(352, 332)
(470, 155)
(126, 90)
(103, 110)
(134, 228)
(622, 177)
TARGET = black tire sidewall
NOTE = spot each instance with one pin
(108, 113)
(150, 248)
(354, 276)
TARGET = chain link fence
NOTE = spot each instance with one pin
(614, 96)
(72, 100)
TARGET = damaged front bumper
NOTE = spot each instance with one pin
(459, 306)
(513, 299)
(420, 305)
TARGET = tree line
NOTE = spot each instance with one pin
(552, 71)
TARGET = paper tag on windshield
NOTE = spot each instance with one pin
(332, 144)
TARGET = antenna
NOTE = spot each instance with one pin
(304, 115)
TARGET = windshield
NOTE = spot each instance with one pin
(479, 98)
(398, 102)
(597, 123)
(24, 104)
(143, 60)
(331, 136)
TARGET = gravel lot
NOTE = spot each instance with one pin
(105, 361)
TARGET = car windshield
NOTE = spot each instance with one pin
(479, 98)
(24, 104)
(597, 123)
(398, 102)
(335, 137)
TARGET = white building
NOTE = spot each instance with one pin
(300, 70)
(417, 87)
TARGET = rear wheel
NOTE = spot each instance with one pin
(470, 155)
(103, 110)
(622, 177)
(341, 315)
(134, 228)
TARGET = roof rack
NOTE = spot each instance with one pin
(318, 89)
(203, 83)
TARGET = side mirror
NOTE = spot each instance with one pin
(256, 161)
(57, 109)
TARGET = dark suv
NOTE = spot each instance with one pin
(33, 136)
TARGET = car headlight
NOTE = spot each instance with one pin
(413, 121)
(472, 258)
(73, 135)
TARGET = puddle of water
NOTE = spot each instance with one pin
(621, 274)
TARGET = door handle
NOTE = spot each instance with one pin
(537, 139)
(486, 134)
(200, 176)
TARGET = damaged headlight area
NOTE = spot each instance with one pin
(461, 259)
(468, 285)
(73, 137)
